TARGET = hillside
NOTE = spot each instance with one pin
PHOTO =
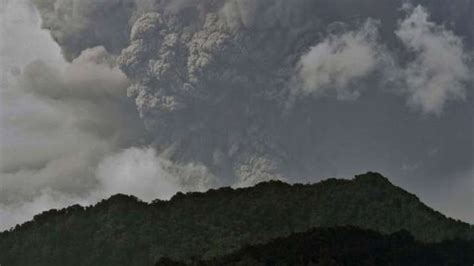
(344, 246)
(125, 231)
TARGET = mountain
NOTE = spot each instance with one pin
(123, 230)
(344, 246)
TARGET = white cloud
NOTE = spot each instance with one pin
(137, 172)
(58, 119)
(440, 70)
(333, 65)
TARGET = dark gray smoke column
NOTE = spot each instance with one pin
(260, 89)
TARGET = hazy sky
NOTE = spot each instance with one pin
(302, 101)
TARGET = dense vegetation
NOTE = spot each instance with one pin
(344, 246)
(125, 231)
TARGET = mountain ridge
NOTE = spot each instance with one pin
(123, 230)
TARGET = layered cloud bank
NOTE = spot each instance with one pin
(157, 96)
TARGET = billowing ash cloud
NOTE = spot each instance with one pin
(193, 77)
(67, 109)
(64, 124)
(439, 71)
(164, 95)
(213, 81)
(57, 125)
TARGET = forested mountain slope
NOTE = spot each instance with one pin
(122, 230)
(344, 246)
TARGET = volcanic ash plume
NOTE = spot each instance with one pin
(216, 82)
